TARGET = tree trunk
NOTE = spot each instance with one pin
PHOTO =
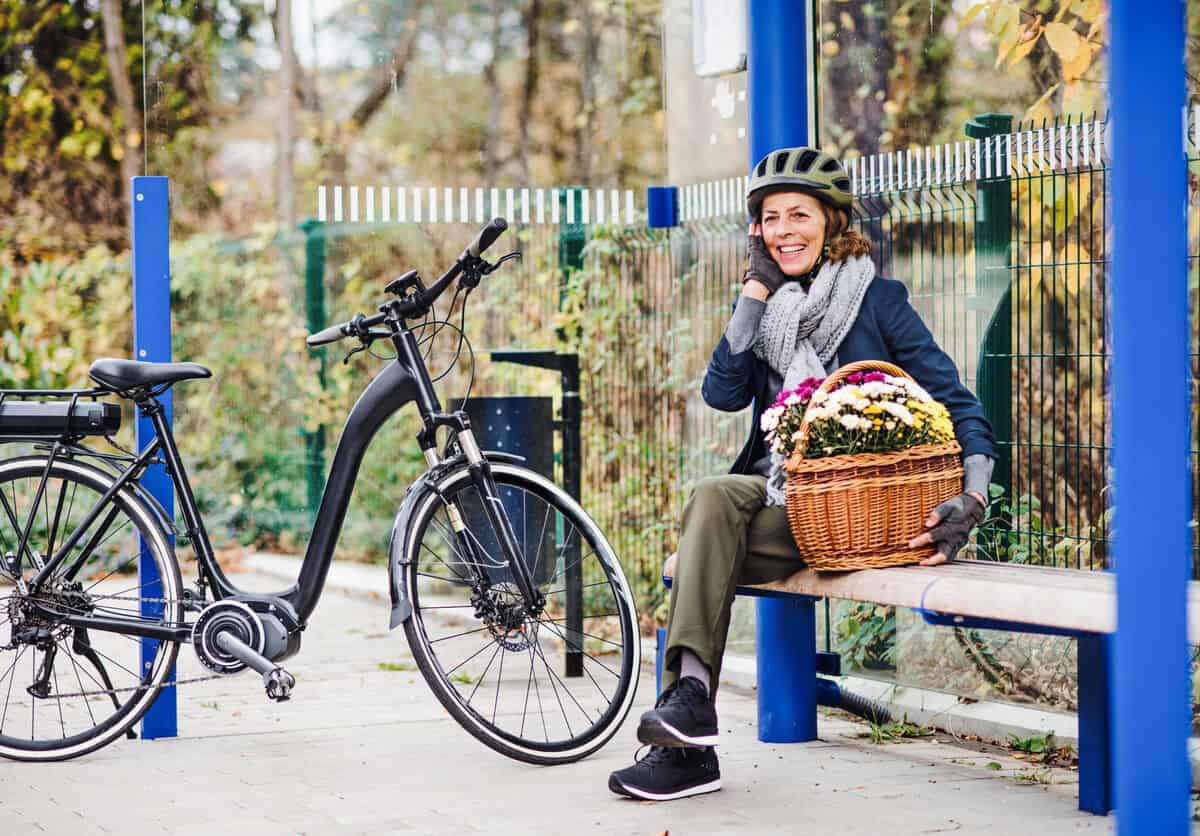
(491, 78)
(128, 127)
(391, 77)
(587, 97)
(287, 90)
(532, 68)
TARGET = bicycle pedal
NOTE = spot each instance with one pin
(279, 684)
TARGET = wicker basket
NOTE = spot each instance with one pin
(860, 511)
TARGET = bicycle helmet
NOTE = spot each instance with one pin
(801, 169)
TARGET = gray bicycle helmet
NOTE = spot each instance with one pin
(802, 169)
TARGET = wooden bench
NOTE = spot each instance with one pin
(963, 593)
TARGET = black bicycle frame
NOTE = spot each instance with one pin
(402, 381)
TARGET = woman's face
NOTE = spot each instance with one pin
(793, 228)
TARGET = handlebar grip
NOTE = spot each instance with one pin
(486, 237)
(330, 335)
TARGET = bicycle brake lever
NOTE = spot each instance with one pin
(353, 351)
(491, 268)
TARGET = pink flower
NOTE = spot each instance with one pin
(875, 377)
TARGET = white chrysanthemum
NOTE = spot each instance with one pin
(898, 410)
(792, 399)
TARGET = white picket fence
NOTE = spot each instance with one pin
(1046, 150)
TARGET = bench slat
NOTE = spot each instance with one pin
(1064, 598)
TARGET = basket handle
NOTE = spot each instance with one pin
(831, 383)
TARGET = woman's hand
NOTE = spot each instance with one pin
(763, 276)
(949, 526)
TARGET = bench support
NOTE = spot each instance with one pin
(787, 669)
(1095, 739)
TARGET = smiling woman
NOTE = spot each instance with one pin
(810, 302)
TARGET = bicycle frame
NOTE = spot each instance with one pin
(401, 382)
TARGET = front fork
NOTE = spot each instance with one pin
(493, 507)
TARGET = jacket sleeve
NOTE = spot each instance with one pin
(914, 350)
(729, 380)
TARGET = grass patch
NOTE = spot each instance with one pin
(396, 666)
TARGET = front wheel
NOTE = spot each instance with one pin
(545, 686)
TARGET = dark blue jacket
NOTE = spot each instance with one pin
(887, 328)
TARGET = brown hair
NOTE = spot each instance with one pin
(841, 241)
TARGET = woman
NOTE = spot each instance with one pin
(810, 302)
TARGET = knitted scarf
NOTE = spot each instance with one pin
(801, 330)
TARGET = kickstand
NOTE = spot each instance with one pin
(83, 646)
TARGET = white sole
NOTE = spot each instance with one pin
(711, 786)
(680, 738)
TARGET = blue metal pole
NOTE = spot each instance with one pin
(152, 342)
(780, 85)
(1151, 711)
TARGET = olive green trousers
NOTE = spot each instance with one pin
(728, 537)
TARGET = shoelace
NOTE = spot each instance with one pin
(656, 755)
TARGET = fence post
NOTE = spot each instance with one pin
(993, 281)
(572, 238)
(314, 312)
(151, 239)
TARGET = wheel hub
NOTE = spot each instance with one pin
(502, 609)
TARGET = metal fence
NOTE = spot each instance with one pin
(1000, 239)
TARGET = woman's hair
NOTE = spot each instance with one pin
(842, 241)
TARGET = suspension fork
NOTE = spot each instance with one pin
(493, 507)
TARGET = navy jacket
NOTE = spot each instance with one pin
(887, 328)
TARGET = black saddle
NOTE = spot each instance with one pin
(123, 375)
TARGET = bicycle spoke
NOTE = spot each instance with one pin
(554, 688)
(458, 581)
(499, 682)
(538, 693)
(8, 694)
(58, 506)
(581, 650)
(468, 659)
(555, 675)
(86, 702)
(483, 675)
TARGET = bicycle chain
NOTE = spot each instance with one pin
(115, 691)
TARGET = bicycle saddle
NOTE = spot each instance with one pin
(133, 374)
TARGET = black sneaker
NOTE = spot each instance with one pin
(683, 716)
(666, 774)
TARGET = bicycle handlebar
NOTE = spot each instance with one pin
(486, 237)
(360, 325)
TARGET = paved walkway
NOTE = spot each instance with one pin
(364, 750)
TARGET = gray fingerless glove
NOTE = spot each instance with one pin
(958, 516)
(762, 266)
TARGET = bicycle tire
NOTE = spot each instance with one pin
(540, 639)
(118, 685)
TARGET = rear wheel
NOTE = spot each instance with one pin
(546, 687)
(65, 691)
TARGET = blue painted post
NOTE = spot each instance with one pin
(787, 669)
(659, 653)
(662, 206)
(1152, 542)
(779, 64)
(1095, 728)
(152, 342)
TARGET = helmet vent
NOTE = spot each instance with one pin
(781, 163)
(761, 171)
(842, 183)
(830, 166)
(807, 157)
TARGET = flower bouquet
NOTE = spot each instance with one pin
(867, 454)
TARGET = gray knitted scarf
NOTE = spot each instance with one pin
(801, 330)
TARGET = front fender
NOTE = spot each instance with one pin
(401, 606)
